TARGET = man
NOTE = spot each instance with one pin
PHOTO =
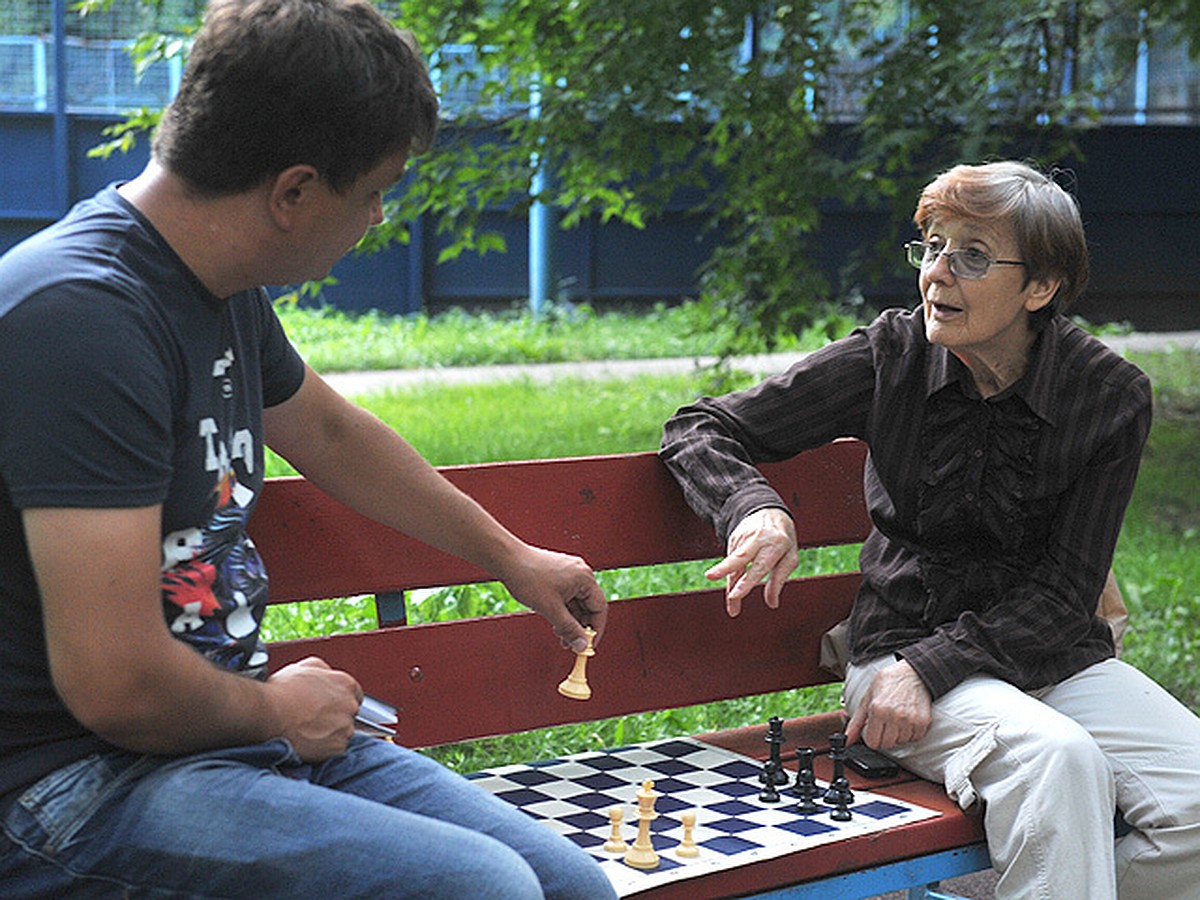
(143, 749)
(1004, 445)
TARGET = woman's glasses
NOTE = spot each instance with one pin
(966, 263)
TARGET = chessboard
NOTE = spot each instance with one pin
(573, 795)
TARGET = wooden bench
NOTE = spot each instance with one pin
(461, 680)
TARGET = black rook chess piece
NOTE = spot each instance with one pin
(839, 795)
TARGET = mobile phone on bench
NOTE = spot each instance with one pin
(871, 763)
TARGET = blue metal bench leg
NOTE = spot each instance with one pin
(926, 871)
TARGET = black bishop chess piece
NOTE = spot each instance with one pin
(775, 739)
(806, 782)
(839, 795)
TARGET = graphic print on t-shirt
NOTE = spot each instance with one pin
(214, 583)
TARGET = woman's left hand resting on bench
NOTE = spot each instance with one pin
(896, 709)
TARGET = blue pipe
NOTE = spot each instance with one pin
(541, 226)
(62, 142)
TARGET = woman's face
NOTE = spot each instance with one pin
(983, 320)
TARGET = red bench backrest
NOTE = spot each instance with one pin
(459, 680)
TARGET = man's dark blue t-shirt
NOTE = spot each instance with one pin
(126, 383)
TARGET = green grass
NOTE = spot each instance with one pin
(528, 420)
(1158, 558)
(334, 341)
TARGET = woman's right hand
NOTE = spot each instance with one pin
(762, 550)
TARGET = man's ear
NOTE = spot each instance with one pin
(289, 193)
(1039, 293)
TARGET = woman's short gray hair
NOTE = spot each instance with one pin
(1044, 218)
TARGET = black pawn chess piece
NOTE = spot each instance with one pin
(839, 795)
(841, 811)
(806, 782)
(769, 793)
(775, 739)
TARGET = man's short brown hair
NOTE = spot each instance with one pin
(275, 83)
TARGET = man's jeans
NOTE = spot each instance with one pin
(377, 821)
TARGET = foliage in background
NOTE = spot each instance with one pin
(757, 115)
(1187, 14)
(765, 112)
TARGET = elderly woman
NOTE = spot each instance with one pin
(1004, 444)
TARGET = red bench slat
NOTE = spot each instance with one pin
(615, 511)
(454, 681)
